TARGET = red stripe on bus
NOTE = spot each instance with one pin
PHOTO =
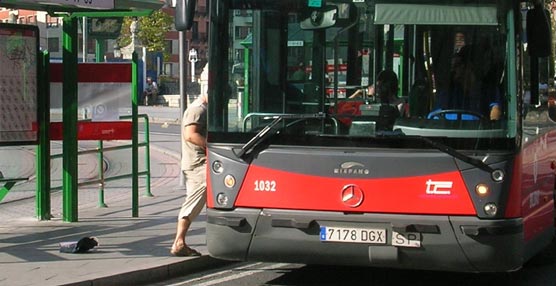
(94, 72)
(383, 195)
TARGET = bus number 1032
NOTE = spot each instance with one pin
(265, 186)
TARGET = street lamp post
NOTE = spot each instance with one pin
(193, 59)
(134, 29)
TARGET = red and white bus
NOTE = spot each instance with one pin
(462, 180)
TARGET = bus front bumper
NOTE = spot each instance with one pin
(448, 243)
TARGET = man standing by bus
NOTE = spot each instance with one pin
(193, 164)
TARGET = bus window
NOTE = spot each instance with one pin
(451, 76)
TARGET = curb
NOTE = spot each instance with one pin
(156, 274)
(164, 120)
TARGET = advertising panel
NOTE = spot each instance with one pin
(19, 50)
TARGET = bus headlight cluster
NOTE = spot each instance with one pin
(491, 209)
(222, 199)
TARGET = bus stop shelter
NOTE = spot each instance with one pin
(71, 11)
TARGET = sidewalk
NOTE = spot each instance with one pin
(131, 251)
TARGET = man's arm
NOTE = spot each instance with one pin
(191, 134)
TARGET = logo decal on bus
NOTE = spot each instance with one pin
(352, 168)
(352, 195)
(439, 187)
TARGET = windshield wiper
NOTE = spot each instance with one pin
(266, 131)
(441, 147)
(456, 154)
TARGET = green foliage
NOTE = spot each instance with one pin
(125, 35)
(152, 31)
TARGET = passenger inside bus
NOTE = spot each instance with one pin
(472, 92)
(387, 90)
(379, 108)
(384, 93)
(300, 74)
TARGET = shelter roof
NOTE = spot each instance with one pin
(60, 6)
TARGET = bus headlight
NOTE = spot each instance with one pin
(217, 167)
(491, 209)
(498, 175)
(482, 190)
(222, 199)
(229, 181)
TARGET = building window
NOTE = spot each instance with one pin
(292, 18)
(168, 69)
(168, 47)
(243, 13)
(53, 45)
(51, 22)
(241, 32)
(239, 55)
(195, 31)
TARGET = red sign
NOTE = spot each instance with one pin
(330, 68)
(101, 130)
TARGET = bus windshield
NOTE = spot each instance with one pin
(368, 68)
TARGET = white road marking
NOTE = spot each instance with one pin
(229, 275)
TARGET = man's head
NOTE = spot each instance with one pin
(149, 79)
(459, 41)
(386, 85)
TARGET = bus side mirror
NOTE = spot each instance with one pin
(539, 37)
(320, 18)
(185, 12)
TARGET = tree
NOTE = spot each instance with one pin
(152, 31)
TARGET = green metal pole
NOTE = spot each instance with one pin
(101, 203)
(246, 71)
(69, 118)
(99, 50)
(148, 158)
(134, 138)
(43, 210)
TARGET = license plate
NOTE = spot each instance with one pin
(407, 239)
(352, 234)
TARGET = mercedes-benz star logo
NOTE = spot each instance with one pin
(352, 196)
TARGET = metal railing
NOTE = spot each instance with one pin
(100, 150)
